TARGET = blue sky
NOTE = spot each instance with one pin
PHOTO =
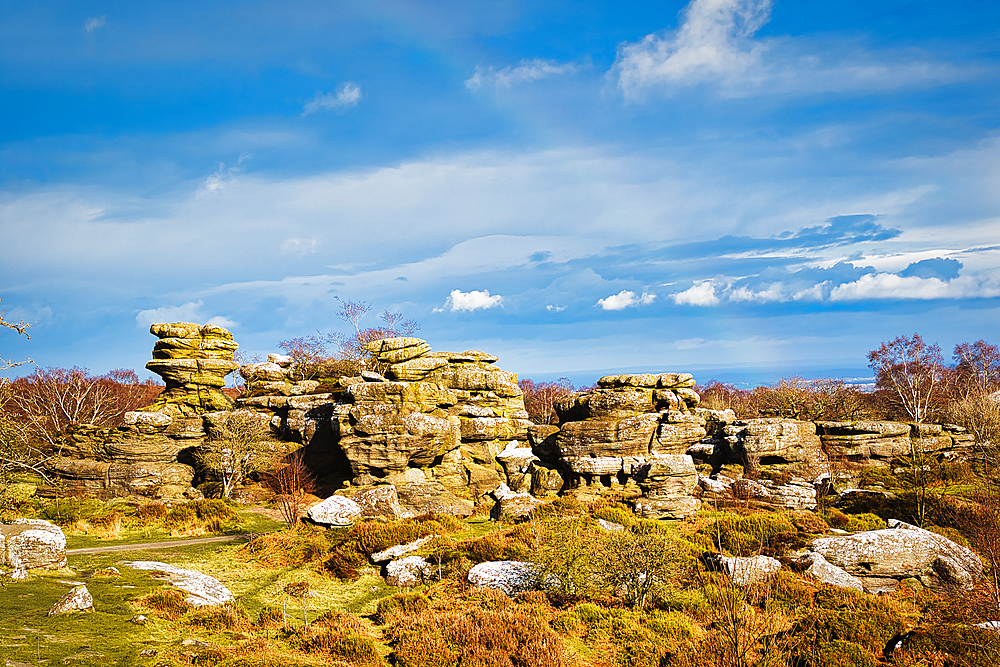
(721, 185)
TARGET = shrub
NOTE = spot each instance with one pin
(808, 522)
(747, 535)
(691, 601)
(836, 518)
(270, 617)
(508, 638)
(295, 546)
(839, 653)
(219, 618)
(374, 536)
(488, 547)
(352, 648)
(851, 616)
(145, 515)
(205, 515)
(169, 603)
(861, 522)
(616, 514)
(567, 624)
(407, 604)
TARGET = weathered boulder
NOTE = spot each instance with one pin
(797, 494)
(745, 572)
(400, 550)
(899, 552)
(157, 480)
(408, 571)
(823, 571)
(28, 544)
(201, 589)
(510, 576)
(336, 511)
(775, 440)
(513, 505)
(78, 599)
(380, 501)
(193, 361)
(865, 439)
(516, 461)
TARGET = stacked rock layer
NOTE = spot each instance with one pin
(432, 424)
(193, 361)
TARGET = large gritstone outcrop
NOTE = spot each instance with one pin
(152, 453)
(432, 423)
(634, 431)
(193, 361)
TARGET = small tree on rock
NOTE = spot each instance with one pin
(236, 449)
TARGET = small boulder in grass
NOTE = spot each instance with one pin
(78, 599)
(408, 571)
(336, 511)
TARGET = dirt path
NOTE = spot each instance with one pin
(158, 545)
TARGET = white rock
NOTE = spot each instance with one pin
(282, 360)
(336, 511)
(399, 550)
(610, 526)
(160, 419)
(827, 573)
(32, 543)
(510, 576)
(77, 599)
(202, 589)
(900, 551)
(513, 504)
(748, 571)
(408, 571)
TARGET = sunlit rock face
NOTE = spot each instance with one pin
(193, 361)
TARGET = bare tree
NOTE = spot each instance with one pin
(20, 327)
(17, 453)
(291, 481)
(540, 397)
(912, 370)
(50, 400)
(978, 365)
(236, 449)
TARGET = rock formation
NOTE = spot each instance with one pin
(193, 361)
(432, 424)
(152, 453)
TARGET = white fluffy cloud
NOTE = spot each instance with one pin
(93, 23)
(474, 300)
(702, 294)
(714, 44)
(186, 312)
(625, 299)
(347, 95)
(892, 286)
(712, 41)
(527, 70)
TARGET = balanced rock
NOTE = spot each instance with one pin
(201, 589)
(193, 361)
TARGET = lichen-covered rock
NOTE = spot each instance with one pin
(746, 572)
(779, 440)
(668, 483)
(28, 544)
(166, 481)
(78, 599)
(901, 551)
(513, 505)
(510, 576)
(201, 588)
(408, 571)
(823, 571)
(336, 511)
(193, 361)
(380, 501)
(400, 549)
(865, 439)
